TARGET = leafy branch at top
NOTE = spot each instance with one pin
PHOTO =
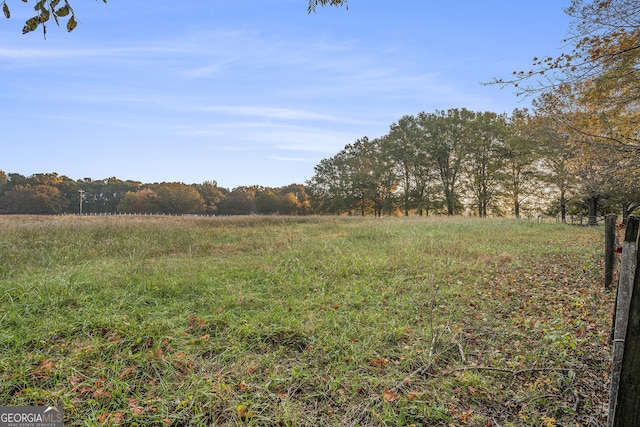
(314, 3)
(604, 38)
(45, 10)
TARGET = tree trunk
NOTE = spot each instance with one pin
(563, 206)
(609, 249)
(593, 210)
(449, 205)
(516, 208)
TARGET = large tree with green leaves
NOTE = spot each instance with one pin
(359, 178)
(329, 186)
(446, 134)
(406, 149)
(521, 175)
(483, 159)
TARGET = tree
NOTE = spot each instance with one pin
(521, 177)
(104, 195)
(401, 148)
(601, 71)
(240, 201)
(40, 199)
(177, 198)
(294, 193)
(625, 187)
(267, 202)
(602, 161)
(360, 167)
(328, 187)
(483, 163)
(144, 201)
(211, 195)
(446, 134)
(605, 38)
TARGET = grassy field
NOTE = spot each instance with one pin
(304, 321)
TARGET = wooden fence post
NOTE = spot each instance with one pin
(609, 248)
(624, 397)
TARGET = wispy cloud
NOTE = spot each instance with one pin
(293, 159)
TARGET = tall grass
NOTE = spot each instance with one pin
(303, 321)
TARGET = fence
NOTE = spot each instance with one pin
(624, 395)
(579, 219)
(139, 214)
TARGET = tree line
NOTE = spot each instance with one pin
(53, 194)
(443, 162)
(484, 163)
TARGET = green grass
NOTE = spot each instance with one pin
(304, 321)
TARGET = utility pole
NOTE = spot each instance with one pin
(81, 197)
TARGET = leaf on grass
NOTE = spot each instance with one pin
(390, 395)
(138, 410)
(465, 415)
(128, 371)
(379, 363)
(243, 412)
(44, 369)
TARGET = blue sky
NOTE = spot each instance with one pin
(248, 92)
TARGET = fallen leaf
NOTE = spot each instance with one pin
(465, 415)
(379, 363)
(390, 395)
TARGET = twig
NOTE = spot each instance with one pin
(513, 372)
(528, 401)
(464, 359)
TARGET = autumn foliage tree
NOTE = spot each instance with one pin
(600, 72)
(32, 199)
(591, 95)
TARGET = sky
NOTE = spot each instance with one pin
(249, 92)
